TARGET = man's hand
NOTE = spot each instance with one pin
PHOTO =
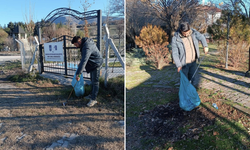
(179, 69)
(205, 50)
(77, 78)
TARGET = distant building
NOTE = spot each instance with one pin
(213, 14)
(210, 15)
(19, 33)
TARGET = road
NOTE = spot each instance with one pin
(9, 58)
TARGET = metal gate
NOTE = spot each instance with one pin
(72, 58)
(71, 54)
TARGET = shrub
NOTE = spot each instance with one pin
(154, 41)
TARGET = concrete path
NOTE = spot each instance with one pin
(233, 85)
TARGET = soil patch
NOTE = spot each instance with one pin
(169, 121)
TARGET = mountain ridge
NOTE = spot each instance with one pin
(64, 19)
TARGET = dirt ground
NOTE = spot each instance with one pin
(168, 123)
(32, 117)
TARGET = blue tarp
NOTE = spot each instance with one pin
(79, 87)
(188, 96)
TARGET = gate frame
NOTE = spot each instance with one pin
(59, 12)
(65, 48)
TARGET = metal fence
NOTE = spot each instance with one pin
(27, 49)
(114, 66)
(72, 58)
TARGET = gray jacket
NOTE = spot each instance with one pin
(178, 49)
(91, 56)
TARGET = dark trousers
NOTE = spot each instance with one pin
(94, 77)
(189, 70)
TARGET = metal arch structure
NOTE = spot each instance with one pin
(59, 12)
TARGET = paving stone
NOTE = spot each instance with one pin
(60, 141)
(66, 135)
(247, 104)
(236, 97)
(54, 144)
(230, 96)
(72, 137)
(21, 137)
(227, 93)
(244, 96)
(240, 99)
(65, 144)
(3, 139)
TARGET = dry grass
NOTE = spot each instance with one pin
(34, 109)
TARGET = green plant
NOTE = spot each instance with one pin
(56, 81)
(115, 87)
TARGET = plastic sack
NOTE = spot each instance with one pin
(79, 86)
(188, 96)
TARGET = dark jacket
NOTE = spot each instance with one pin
(178, 49)
(91, 56)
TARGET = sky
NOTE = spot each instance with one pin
(16, 10)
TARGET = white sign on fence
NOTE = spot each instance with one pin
(53, 51)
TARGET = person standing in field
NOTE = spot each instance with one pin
(92, 62)
(185, 49)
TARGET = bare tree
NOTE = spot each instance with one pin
(71, 22)
(86, 5)
(174, 11)
(243, 5)
(117, 7)
(29, 23)
(107, 13)
(136, 18)
(120, 31)
(48, 32)
(10, 43)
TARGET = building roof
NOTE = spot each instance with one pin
(18, 29)
(211, 8)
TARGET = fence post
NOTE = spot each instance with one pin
(41, 58)
(99, 29)
(249, 60)
(39, 34)
(106, 54)
(65, 55)
(247, 73)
